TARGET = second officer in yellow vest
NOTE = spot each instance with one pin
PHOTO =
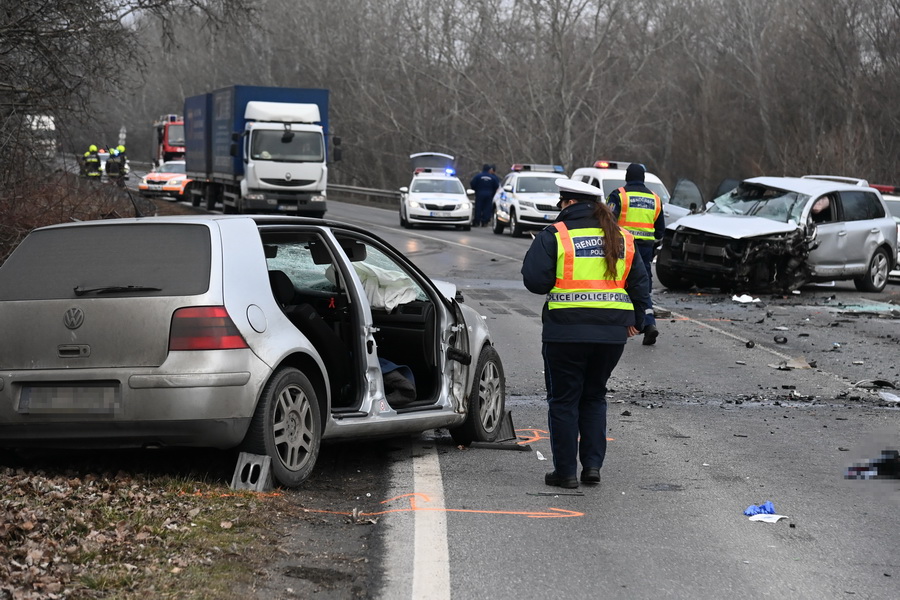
(639, 212)
(597, 293)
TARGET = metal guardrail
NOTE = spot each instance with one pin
(361, 195)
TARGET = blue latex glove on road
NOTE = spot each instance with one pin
(766, 508)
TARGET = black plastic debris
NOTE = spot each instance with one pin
(885, 466)
(780, 339)
(750, 344)
(875, 383)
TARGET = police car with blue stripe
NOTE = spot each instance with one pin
(527, 198)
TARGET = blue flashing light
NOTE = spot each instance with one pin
(450, 172)
(558, 169)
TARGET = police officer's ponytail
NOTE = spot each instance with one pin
(612, 235)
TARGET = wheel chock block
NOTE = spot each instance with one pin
(507, 429)
(252, 473)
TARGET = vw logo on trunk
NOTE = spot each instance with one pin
(73, 318)
(287, 176)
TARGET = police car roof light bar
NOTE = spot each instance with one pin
(886, 189)
(542, 168)
(611, 164)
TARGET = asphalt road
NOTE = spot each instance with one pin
(701, 427)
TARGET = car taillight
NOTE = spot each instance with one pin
(204, 328)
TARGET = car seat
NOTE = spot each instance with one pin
(330, 346)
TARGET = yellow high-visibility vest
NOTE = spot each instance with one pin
(639, 213)
(581, 277)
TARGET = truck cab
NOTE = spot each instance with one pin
(284, 156)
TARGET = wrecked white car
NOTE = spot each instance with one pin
(778, 233)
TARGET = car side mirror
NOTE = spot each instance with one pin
(470, 192)
(336, 154)
(507, 188)
(404, 189)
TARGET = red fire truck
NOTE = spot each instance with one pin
(168, 139)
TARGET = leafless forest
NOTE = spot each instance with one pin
(703, 89)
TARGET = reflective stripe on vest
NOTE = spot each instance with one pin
(581, 279)
(639, 213)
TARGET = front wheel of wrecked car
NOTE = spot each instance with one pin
(876, 275)
(487, 402)
(667, 276)
(287, 427)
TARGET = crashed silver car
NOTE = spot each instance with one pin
(778, 233)
(268, 334)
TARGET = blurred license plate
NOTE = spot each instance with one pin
(96, 399)
(549, 217)
(154, 187)
(440, 213)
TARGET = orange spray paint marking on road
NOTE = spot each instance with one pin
(553, 513)
(537, 435)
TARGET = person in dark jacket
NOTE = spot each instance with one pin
(639, 211)
(485, 185)
(597, 292)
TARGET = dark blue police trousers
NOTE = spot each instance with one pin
(645, 251)
(576, 376)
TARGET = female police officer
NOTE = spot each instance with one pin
(596, 296)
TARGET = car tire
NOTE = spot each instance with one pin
(667, 276)
(876, 275)
(486, 402)
(496, 224)
(515, 228)
(195, 200)
(287, 427)
(403, 222)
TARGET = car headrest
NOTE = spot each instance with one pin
(282, 287)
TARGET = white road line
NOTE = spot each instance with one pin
(431, 562)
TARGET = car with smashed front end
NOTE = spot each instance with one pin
(267, 334)
(779, 233)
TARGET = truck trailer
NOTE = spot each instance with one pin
(258, 149)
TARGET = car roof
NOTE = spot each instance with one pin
(433, 176)
(612, 174)
(810, 186)
(211, 220)
(544, 174)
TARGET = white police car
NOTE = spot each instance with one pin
(609, 175)
(436, 197)
(527, 198)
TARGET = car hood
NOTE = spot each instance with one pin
(164, 176)
(437, 196)
(537, 196)
(733, 226)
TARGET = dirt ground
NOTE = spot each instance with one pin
(329, 554)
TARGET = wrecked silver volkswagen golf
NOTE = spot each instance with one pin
(269, 334)
(778, 233)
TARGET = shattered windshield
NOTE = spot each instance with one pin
(761, 201)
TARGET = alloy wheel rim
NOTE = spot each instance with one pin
(293, 427)
(490, 394)
(879, 270)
